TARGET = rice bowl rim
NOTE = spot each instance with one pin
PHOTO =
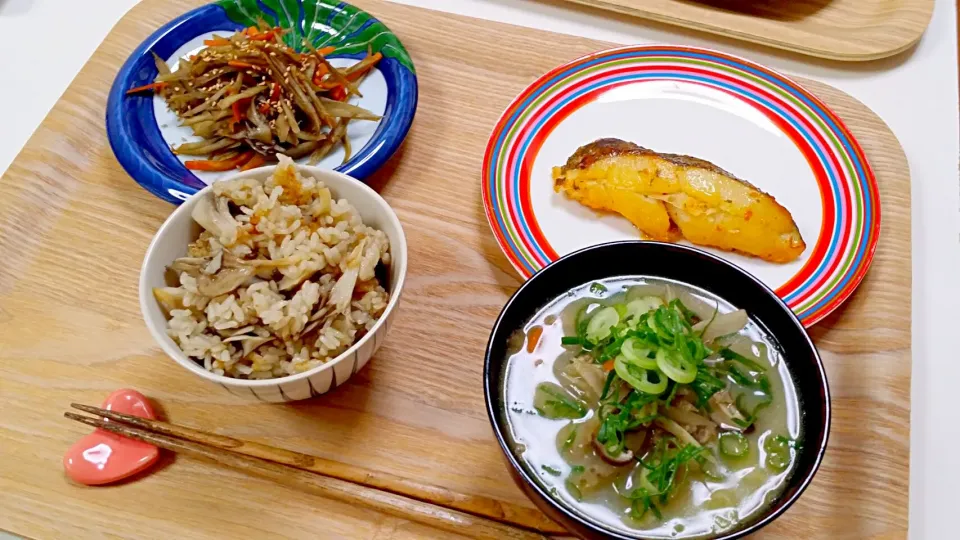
(398, 255)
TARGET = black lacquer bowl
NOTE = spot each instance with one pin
(686, 265)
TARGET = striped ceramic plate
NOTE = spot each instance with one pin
(749, 120)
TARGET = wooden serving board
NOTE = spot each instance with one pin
(847, 30)
(74, 228)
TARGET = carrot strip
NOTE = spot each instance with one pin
(352, 77)
(256, 161)
(237, 113)
(533, 338)
(242, 65)
(319, 73)
(216, 42)
(608, 366)
(144, 88)
(339, 93)
(356, 75)
(213, 165)
(326, 50)
(265, 36)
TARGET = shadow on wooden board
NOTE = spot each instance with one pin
(768, 9)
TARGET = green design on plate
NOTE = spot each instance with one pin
(322, 23)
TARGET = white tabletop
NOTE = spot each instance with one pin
(916, 93)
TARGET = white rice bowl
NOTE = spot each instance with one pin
(283, 278)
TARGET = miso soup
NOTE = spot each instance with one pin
(652, 407)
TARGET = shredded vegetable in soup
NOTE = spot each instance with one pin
(648, 405)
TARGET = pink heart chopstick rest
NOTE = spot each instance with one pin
(104, 457)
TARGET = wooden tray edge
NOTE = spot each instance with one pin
(837, 55)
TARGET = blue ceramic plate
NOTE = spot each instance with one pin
(142, 129)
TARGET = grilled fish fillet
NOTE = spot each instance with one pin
(667, 196)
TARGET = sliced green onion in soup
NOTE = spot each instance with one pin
(650, 490)
(583, 319)
(670, 321)
(551, 470)
(750, 402)
(571, 437)
(650, 381)
(598, 328)
(552, 401)
(729, 354)
(636, 354)
(573, 490)
(778, 452)
(661, 322)
(733, 444)
(673, 365)
(646, 304)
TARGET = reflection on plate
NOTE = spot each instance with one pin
(758, 124)
(141, 128)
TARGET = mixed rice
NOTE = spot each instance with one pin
(281, 279)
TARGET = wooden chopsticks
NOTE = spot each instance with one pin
(469, 515)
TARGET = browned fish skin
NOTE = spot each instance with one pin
(667, 195)
(588, 154)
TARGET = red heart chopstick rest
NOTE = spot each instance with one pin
(104, 457)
